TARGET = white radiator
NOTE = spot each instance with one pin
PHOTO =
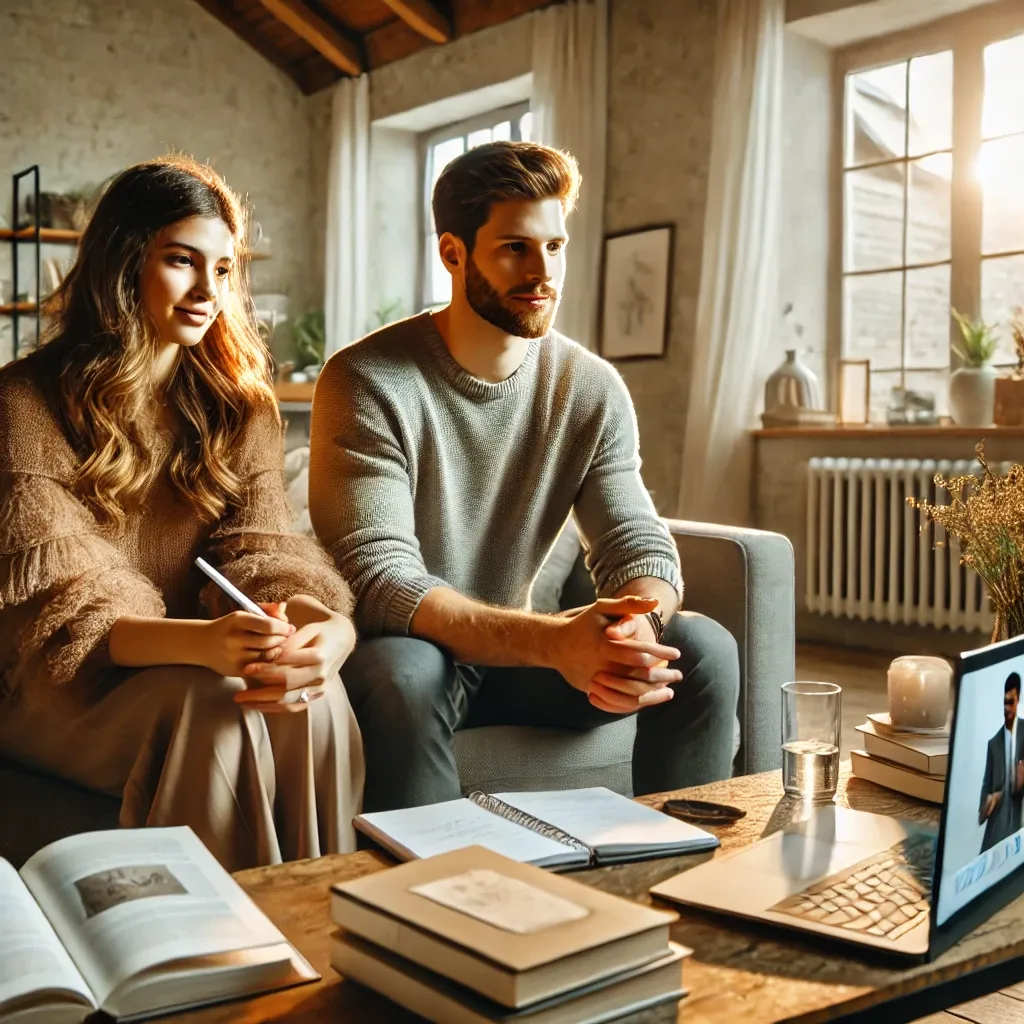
(871, 556)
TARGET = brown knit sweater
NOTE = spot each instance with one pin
(65, 579)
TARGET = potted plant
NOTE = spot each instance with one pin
(310, 342)
(972, 387)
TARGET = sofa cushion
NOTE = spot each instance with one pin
(546, 593)
(509, 758)
(296, 484)
(38, 809)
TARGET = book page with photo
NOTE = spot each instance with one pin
(142, 921)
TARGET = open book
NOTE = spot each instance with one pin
(134, 922)
(565, 828)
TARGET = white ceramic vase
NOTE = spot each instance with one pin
(794, 385)
(972, 395)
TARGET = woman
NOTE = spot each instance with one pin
(142, 434)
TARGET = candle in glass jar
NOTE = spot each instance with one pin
(919, 692)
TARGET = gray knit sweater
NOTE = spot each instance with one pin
(422, 475)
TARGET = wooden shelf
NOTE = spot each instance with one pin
(883, 430)
(48, 236)
(288, 391)
(17, 307)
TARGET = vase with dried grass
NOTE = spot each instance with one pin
(985, 514)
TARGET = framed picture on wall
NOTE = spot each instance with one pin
(635, 291)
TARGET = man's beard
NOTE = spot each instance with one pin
(485, 301)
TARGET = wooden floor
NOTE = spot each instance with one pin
(1005, 1007)
(861, 674)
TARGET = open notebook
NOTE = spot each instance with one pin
(565, 828)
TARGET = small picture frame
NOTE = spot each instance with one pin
(635, 292)
(854, 390)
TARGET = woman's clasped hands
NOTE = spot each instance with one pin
(284, 658)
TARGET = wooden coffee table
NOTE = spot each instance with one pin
(739, 972)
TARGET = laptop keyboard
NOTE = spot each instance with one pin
(885, 895)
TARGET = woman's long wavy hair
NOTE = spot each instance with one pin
(96, 362)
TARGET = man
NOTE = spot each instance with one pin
(1003, 785)
(447, 452)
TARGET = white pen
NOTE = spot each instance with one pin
(230, 589)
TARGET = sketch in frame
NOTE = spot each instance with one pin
(634, 312)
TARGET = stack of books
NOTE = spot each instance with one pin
(471, 936)
(910, 761)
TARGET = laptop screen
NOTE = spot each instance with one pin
(982, 839)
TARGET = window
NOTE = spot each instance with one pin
(439, 149)
(932, 205)
(1000, 169)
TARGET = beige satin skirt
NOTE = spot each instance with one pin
(172, 744)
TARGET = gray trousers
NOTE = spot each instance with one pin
(410, 697)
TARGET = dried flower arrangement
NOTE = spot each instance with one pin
(986, 515)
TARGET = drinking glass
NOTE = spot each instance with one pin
(810, 738)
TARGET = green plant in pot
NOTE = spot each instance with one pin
(972, 386)
(310, 336)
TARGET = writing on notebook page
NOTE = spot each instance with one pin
(439, 828)
(599, 817)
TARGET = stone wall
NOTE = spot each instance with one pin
(90, 86)
(470, 62)
(661, 79)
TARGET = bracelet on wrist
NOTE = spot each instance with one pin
(657, 624)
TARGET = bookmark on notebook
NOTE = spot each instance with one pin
(518, 817)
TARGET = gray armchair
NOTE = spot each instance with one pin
(742, 578)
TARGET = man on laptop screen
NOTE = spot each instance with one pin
(1003, 784)
(980, 849)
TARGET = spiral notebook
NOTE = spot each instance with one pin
(559, 829)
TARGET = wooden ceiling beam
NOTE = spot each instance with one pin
(472, 15)
(314, 73)
(341, 52)
(249, 35)
(392, 42)
(423, 17)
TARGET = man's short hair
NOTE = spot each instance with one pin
(1012, 683)
(497, 171)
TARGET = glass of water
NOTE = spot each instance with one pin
(810, 739)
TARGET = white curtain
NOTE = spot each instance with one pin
(345, 259)
(570, 112)
(737, 305)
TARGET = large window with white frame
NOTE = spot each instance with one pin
(440, 147)
(932, 187)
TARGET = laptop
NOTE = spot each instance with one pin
(889, 885)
